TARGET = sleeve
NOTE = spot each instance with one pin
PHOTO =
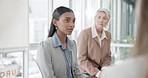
(107, 59)
(83, 60)
(44, 62)
(76, 71)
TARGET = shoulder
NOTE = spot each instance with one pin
(85, 32)
(108, 34)
(46, 43)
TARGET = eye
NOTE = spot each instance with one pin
(105, 18)
(67, 20)
(74, 20)
(99, 17)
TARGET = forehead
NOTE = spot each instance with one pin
(101, 13)
(67, 15)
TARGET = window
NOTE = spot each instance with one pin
(38, 30)
(38, 20)
(122, 28)
(121, 24)
(11, 65)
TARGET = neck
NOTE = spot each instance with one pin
(99, 32)
(62, 38)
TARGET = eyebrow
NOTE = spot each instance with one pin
(69, 18)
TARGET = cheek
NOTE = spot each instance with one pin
(105, 22)
(96, 22)
(62, 28)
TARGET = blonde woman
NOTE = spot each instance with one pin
(94, 45)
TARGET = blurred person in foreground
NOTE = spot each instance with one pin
(137, 65)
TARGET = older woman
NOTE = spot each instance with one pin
(94, 45)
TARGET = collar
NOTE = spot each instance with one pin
(57, 43)
(94, 33)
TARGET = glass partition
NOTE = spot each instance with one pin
(11, 65)
(34, 71)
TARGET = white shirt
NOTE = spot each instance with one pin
(94, 34)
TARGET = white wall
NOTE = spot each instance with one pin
(13, 24)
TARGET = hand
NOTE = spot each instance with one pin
(100, 75)
(91, 77)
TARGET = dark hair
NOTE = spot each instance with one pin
(56, 15)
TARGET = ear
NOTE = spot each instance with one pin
(55, 22)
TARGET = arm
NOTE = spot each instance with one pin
(83, 60)
(107, 58)
(76, 70)
(44, 61)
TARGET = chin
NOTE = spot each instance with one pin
(69, 34)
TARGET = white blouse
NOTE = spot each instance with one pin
(94, 34)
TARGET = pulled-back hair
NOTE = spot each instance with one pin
(56, 15)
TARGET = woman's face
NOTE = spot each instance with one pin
(101, 20)
(66, 23)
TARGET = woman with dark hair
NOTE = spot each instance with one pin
(57, 57)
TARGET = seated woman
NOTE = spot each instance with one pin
(94, 45)
(57, 55)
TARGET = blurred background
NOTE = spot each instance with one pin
(122, 27)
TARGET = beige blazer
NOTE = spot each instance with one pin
(90, 54)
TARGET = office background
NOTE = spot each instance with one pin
(17, 60)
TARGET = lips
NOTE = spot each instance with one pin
(70, 29)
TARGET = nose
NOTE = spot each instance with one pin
(101, 20)
(72, 24)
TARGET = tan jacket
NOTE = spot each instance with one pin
(90, 54)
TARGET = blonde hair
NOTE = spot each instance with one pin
(142, 28)
(107, 12)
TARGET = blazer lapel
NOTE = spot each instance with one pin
(97, 40)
